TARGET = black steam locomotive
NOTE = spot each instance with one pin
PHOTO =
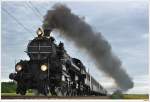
(51, 70)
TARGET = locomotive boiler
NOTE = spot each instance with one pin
(51, 70)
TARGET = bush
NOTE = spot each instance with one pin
(8, 87)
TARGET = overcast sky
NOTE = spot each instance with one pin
(123, 24)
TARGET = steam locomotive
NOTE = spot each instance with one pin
(51, 70)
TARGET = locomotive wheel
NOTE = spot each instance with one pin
(58, 91)
(17, 90)
(43, 88)
(52, 91)
(75, 92)
(20, 89)
(61, 91)
(22, 92)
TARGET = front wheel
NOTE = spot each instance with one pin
(43, 87)
(21, 88)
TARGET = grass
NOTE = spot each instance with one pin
(130, 96)
(14, 94)
(124, 96)
(135, 96)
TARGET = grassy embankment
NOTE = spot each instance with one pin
(130, 96)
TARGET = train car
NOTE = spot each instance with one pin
(51, 70)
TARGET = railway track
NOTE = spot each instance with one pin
(55, 97)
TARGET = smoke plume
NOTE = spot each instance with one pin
(73, 27)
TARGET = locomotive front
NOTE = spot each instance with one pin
(33, 74)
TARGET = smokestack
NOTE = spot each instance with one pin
(73, 27)
(47, 32)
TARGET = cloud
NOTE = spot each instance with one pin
(145, 36)
(141, 85)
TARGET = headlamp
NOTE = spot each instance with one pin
(39, 32)
(18, 68)
(43, 67)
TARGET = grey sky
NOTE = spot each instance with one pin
(123, 24)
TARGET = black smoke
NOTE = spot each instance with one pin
(73, 27)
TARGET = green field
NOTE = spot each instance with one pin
(130, 96)
(124, 96)
(135, 96)
(14, 94)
